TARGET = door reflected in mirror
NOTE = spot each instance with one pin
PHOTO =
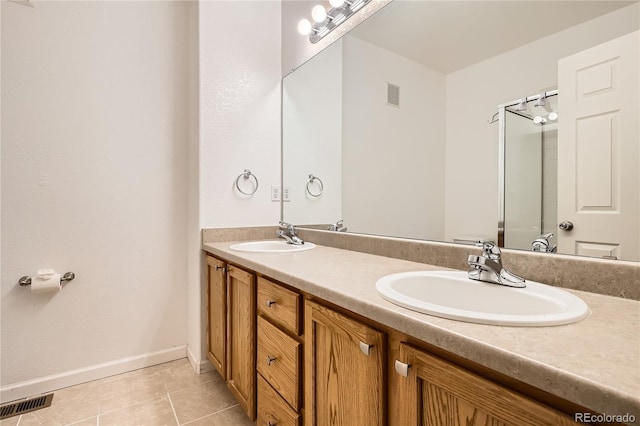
(397, 120)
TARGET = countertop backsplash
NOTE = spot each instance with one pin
(609, 277)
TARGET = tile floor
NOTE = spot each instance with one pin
(165, 394)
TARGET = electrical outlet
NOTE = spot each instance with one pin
(285, 194)
(275, 193)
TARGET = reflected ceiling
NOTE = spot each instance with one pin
(410, 27)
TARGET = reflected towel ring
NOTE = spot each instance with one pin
(312, 179)
(246, 174)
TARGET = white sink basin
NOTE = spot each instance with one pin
(451, 294)
(276, 246)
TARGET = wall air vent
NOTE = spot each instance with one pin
(21, 407)
(393, 95)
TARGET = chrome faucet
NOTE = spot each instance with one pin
(288, 232)
(488, 267)
(543, 245)
(338, 226)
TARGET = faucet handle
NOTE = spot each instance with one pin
(489, 249)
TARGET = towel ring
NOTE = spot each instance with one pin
(312, 179)
(246, 174)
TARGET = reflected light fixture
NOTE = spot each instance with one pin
(326, 21)
(522, 105)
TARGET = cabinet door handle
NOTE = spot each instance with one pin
(365, 349)
(218, 267)
(402, 368)
(270, 359)
(269, 303)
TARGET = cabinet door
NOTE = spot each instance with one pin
(217, 315)
(344, 370)
(241, 338)
(436, 392)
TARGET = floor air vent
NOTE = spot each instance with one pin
(21, 407)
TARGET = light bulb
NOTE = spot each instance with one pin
(319, 13)
(553, 116)
(304, 27)
(539, 120)
(336, 3)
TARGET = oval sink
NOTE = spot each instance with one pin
(451, 294)
(276, 246)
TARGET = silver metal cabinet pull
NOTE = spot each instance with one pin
(270, 303)
(402, 368)
(365, 349)
(270, 359)
(218, 267)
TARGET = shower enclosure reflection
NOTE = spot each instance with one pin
(530, 147)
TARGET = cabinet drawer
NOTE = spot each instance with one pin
(282, 306)
(279, 361)
(273, 410)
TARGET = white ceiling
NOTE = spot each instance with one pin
(450, 35)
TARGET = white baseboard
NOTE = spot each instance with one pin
(202, 366)
(195, 364)
(74, 377)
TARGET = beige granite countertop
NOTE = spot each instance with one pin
(594, 363)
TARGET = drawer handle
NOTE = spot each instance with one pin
(270, 359)
(402, 368)
(270, 303)
(365, 349)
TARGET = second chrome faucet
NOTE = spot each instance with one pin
(488, 267)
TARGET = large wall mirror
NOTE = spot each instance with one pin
(464, 120)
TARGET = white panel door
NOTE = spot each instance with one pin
(598, 150)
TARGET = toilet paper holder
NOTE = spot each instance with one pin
(26, 280)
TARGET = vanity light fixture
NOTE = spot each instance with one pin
(326, 21)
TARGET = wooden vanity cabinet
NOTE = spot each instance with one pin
(279, 361)
(334, 369)
(437, 392)
(345, 363)
(241, 337)
(231, 329)
(217, 314)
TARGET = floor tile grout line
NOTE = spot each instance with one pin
(214, 379)
(80, 420)
(173, 409)
(208, 415)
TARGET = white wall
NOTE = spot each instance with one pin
(95, 130)
(239, 111)
(239, 85)
(312, 138)
(473, 95)
(398, 151)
